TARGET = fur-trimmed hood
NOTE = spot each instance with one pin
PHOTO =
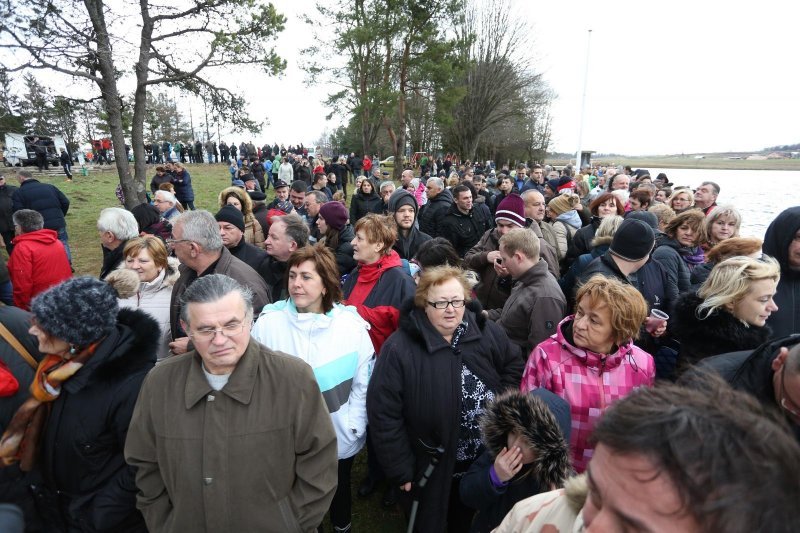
(532, 416)
(720, 333)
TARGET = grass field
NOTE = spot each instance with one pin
(88, 195)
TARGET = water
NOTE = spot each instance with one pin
(759, 195)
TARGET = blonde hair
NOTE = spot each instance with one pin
(663, 213)
(733, 247)
(730, 281)
(605, 232)
(433, 277)
(719, 212)
(627, 306)
(521, 240)
(677, 193)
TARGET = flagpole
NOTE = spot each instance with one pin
(583, 101)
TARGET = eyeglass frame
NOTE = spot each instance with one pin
(784, 397)
(173, 242)
(202, 334)
(447, 304)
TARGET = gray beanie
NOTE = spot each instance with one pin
(79, 311)
(402, 197)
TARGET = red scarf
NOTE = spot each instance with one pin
(368, 276)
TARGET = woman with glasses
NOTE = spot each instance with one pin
(334, 340)
(591, 360)
(431, 382)
(730, 310)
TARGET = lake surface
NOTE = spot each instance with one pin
(760, 195)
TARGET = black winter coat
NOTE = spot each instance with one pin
(720, 333)
(344, 251)
(781, 232)
(582, 240)
(85, 432)
(44, 198)
(6, 208)
(406, 247)
(414, 396)
(432, 214)
(666, 253)
(363, 204)
(464, 231)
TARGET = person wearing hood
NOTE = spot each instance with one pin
(74, 425)
(564, 220)
(433, 212)
(464, 225)
(591, 361)
(525, 440)
(403, 209)
(337, 235)
(38, 260)
(730, 310)
(782, 241)
(334, 340)
(366, 200)
(150, 221)
(431, 382)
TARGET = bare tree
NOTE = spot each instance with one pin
(499, 77)
(180, 46)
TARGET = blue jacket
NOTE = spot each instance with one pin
(44, 198)
(183, 187)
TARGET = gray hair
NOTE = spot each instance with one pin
(28, 220)
(319, 195)
(212, 288)
(296, 228)
(167, 196)
(436, 182)
(713, 186)
(385, 184)
(200, 227)
(26, 174)
(119, 222)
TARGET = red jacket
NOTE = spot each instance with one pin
(38, 262)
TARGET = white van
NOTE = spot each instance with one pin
(19, 149)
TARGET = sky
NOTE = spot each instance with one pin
(663, 78)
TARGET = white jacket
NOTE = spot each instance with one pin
(286, 173)
(337, 347)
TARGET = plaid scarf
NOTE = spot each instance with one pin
(21, 439)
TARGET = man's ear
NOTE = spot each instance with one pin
(780, 360)
(293, 246)
(184, 326)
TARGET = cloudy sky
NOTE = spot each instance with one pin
(665, 77)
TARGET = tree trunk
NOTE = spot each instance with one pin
(140, 101)
(113, 103)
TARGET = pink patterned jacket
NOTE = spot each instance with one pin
(589, 381)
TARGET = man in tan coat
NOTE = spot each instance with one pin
(231, 436)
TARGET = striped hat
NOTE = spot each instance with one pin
(511, 209)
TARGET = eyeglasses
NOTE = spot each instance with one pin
(787, 404)
(443, 305)
(229, 330)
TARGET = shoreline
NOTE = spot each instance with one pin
(691, 163)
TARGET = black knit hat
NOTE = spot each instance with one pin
(633, 240)
(402, 197)
(231, 215)
(79, 311)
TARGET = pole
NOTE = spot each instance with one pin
(191, 123)
(583, 101)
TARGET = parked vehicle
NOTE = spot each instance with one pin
(19, 149)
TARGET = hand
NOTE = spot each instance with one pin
(493, 256)
(179, 346)
(660, 330)
(508, 463)
(406, 487)
(501, 270)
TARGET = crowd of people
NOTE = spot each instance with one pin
(511, 348)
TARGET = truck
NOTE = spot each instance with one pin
(19, 150)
